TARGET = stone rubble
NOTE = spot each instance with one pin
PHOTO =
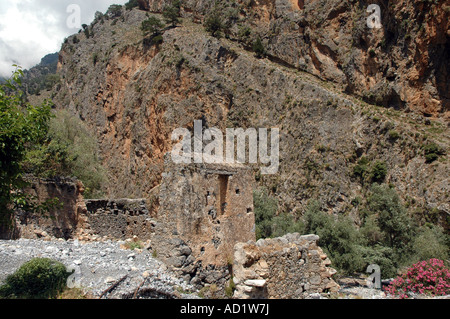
(289, 267)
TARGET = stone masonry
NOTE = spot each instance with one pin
(118, 219)
(205, 209)
(289, 267)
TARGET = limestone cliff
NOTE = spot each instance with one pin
(133, 94)
(400, 65)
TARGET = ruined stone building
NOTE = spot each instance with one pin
(203, 229)
(205, 209)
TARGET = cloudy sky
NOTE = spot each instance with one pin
(30, 29)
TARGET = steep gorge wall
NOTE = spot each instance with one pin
(133, 95)
(399, 65)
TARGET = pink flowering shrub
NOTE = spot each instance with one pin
(426, 278)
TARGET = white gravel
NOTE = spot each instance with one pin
(98, 265)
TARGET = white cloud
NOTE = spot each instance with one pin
(30, 29)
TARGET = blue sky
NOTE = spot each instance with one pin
(30, 29)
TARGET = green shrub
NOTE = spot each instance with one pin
(114, 11)
(258, 48)
(214, 24)
(430, 242)
(152, 26)
(39, 278)
(230, 288)
(284, 224)
(21, 124)
(394, 135)
(265, 210)
(392, 217)
(131, 4)
(338, 237)
(379, 255)
(432, 152)
(361, 168)
(379, 172)
(171, 13)
(70, 150)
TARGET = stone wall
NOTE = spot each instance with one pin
(75, 217)
(289, 267)
(115, 219)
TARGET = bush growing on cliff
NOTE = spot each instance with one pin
(378, 173)
(114, 11)
(258, 48)
(268, 224)
(432, 152)
(152, 26)
(131, 4)
(214, 24)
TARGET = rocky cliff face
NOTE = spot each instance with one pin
(398, 65)
(134, 94)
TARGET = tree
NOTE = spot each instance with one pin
(392, 216)
(258, 48)
(172, 13)
(131, 4)
(21, 124)
(214, 24)
(152, 26)
(265, 210)
(337, 236)
(379, 172)
(114, 11)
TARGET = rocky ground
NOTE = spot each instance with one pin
(108, 270)
(99, 265)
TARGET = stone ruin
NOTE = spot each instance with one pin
(205, 209)
(115, 219)
(289, 267)
(204, 230)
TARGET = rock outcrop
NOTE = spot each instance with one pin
(61, 221)
(289, 267)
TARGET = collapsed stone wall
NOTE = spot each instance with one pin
(115, 219)
(289, 267)
(75, 217)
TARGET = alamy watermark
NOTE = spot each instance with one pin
(73, 20)
(374, 280)
(207, 146)
(374, 19)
